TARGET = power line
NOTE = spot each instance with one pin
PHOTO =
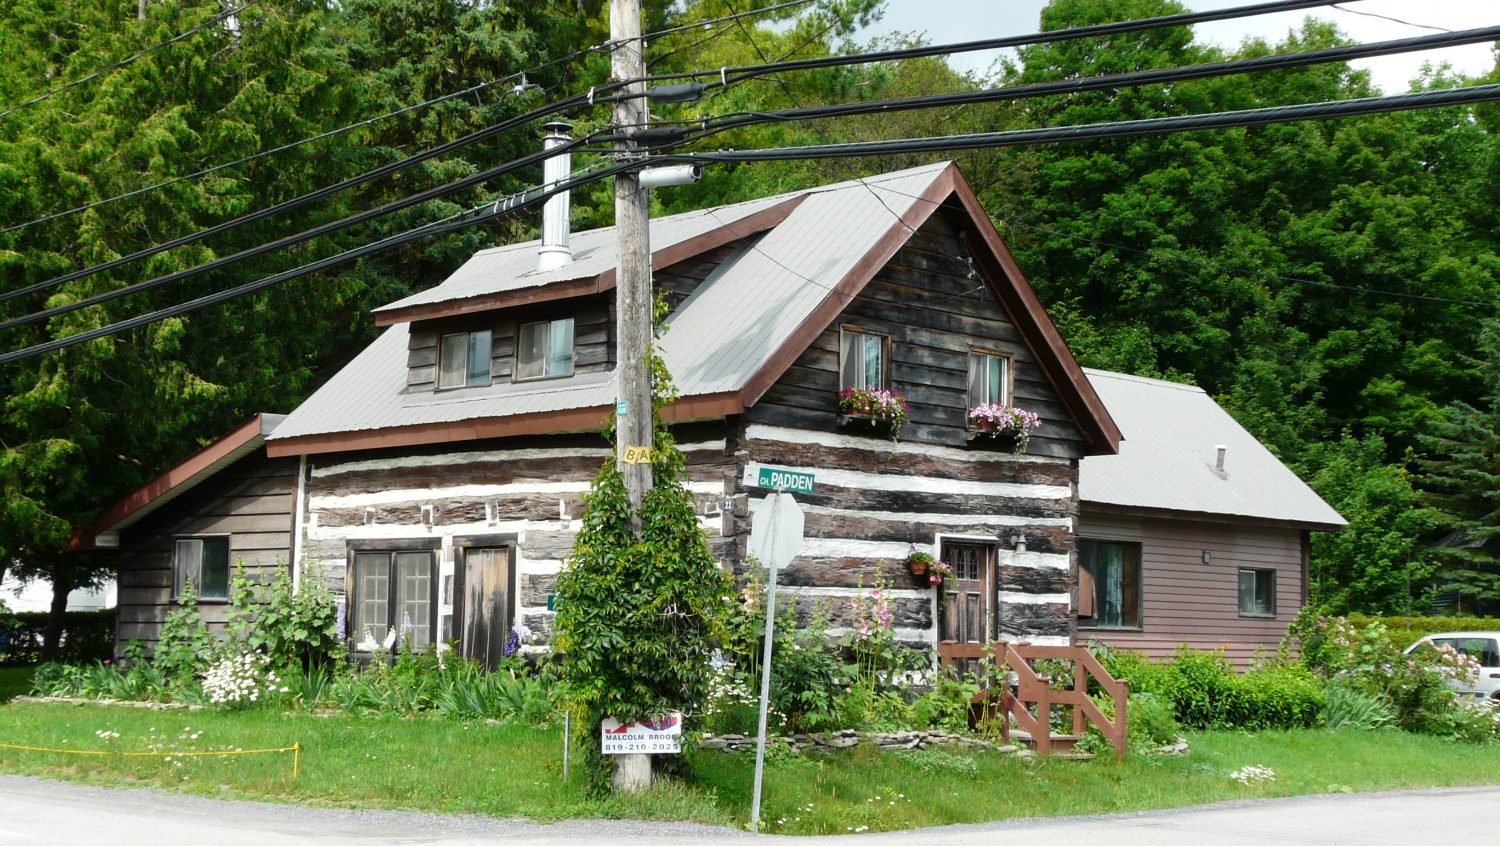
(473, 216)
(666, 92)
(651, 36)
(442, 98)
(1099, 83)
(1109, 131)
(1389, 18)
(436, 192)
(52, 92)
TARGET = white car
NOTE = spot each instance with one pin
(1484, 647)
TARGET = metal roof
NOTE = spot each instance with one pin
(720, 337)
(514, 266)
(1167, 459)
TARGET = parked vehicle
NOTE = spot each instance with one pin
(1484, 647)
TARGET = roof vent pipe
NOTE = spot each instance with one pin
(555, 251)
(1222, 450)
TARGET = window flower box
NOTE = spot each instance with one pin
(1005, 425)
(875, 407)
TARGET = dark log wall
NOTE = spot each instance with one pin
(935, 309)
(251, 501)
(593, 339)
(529, 488)
(1186, 601)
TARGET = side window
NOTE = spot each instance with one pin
(1257, 593)
(392, 599)
(862, 359)
(989, 379)
(205, 563)
(545, 349)
(1114, 569)
(464, 359)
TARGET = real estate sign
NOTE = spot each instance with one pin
(658, 736)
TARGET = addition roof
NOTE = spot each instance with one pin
(798, 259)
(1167, 462)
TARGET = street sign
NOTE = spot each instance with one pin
(776, 530)
(658, 736)
(778, 478)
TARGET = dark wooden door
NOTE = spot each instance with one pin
(968, 607)
(486, 604)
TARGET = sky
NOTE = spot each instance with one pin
(946, 21)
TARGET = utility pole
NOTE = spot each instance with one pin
(633, 420)
(633, 416)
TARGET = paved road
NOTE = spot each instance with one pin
(33, 811)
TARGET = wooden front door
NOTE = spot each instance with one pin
(485, 605)
(968, 607)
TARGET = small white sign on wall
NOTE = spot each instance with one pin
(662, 735)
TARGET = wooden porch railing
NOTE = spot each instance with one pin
(1030, 703)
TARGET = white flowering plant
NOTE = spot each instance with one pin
(241, 681)
(1253, 774)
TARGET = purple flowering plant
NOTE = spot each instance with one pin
(997, 419)
(880, 405)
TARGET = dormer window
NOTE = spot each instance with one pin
(545, 349)
(464, 359)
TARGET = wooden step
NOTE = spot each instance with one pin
(1060, 742)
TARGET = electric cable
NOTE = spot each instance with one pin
(522, 85)
(1096, 83)
(683, 91)
(436, 192)
(475, 215)
(52, 92)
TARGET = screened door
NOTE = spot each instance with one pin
(485, 605)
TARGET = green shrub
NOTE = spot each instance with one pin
(1402, 632)
(1149, 720)
(86, 636)
(185, 646)
(1280, 696)
(940, 762)
(1205, 692)
(1347, 706)
(946, 706)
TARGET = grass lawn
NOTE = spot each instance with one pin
(14, 681)
(508, 771)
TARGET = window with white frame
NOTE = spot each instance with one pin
(989, 378)
(205, 563)
(393, 599)
(862, 359)
(545, 349)
(1257, 593)
(464, 359)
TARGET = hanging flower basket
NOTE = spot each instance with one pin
(874, 406)
(918, 562)
(1006, 425)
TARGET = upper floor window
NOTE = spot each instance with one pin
(989, 379)
(862, 359)
(205, 563)
(464, 359)
(545, 349)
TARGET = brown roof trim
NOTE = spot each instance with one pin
(853, 282)
(252, 430)
(660, 259)
(708, 406)
(1099, 430)
(1085, 506)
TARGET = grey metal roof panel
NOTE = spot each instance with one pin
(719, 338)
(1167, 458)
(513, 267)
(745, 311)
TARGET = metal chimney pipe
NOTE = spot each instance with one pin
(1222, 450)
(555, 251)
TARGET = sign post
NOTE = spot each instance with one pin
(775, 539)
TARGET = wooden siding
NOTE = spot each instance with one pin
(593, 339)
(1183, 600)
(251, 501)
(531, 489)
(931, 303)
(874, 501)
